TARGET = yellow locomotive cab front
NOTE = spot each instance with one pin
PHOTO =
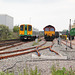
(49, 33)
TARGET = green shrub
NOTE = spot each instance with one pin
(16, 29)
(4, 31)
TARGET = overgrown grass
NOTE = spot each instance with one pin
(62, 71)
(54, 71)
(25, 72)
(7, 73)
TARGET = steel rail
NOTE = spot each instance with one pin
(21, 49)
(69, 42)
(9, 40)
(13, 46)
(2, 57)
(65, 44)
(35, 50)
(10, 43)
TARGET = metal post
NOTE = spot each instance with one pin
(66, 44)
(70, 35)
(70, 43)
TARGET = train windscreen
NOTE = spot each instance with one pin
(51, 29)
(25, 27)
(21, 27)
(29, 28)
(46, 29)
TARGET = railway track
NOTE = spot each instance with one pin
(21, 60)
(68, 43)
(13, 46)
(6, 54)
(8, 42)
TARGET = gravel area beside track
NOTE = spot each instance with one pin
(44, 66)
(70, 53)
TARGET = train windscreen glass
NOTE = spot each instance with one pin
(25, 27)
(46, 29)
(21, 27)
(29, 28)
(51, 29)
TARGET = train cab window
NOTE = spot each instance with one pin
(29, 28)
(51, 29)
(25, 27)
(21, 27)
(46, 29)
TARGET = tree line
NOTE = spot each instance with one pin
(6, 33)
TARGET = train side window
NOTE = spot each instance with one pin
(21, 27)
(51, 29)
(29, 28)
(46, 29)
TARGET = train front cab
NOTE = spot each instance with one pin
(25, 31)
(49, 33)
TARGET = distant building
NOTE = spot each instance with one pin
(6, 20)
(73, 26)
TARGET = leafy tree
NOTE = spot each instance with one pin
(4, 32)
(16, 29)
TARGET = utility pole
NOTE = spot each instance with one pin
(70, 35)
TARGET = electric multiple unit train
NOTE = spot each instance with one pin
(26, 31)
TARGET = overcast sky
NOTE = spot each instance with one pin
(40, 13)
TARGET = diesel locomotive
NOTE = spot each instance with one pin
(26, 31)
(49, 32)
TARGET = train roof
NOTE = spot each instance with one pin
(25, 24)
(49, 26)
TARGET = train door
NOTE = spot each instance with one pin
(25, 32)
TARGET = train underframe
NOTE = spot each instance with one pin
(49, 38)
(27, 37)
